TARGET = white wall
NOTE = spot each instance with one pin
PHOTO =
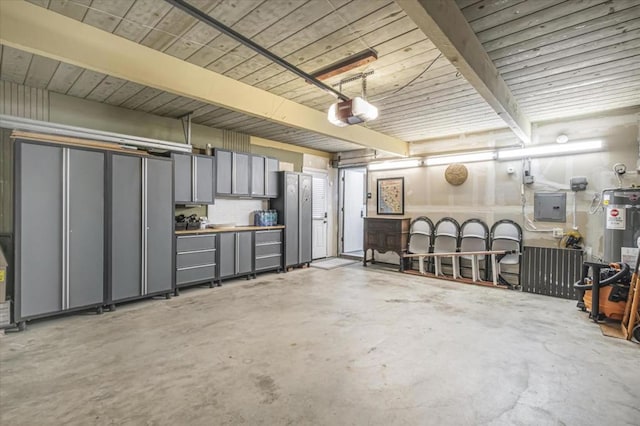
(490, 193)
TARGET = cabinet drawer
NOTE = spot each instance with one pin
(268, 262)
(268, 237)
(195, 242)
(196, 273)
(196, 258)
(268, 249)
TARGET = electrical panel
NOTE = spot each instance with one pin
(550, 206)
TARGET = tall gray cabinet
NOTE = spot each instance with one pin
(60, 229)
(141, 228)
(294, 212)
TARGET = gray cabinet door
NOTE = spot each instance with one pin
(227, 254)
(306, 182)
(126, 227)
(272, 166)
(159, 226)
(224, 161)
(244, 251)
(241, 173)
(86, 171)
(257, 175)
(39, 244)
(204, 180)
(291, 219)
(183, 178)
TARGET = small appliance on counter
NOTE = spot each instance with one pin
(187, 223)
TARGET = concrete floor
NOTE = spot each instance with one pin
(349, 346)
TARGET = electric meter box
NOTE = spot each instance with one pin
(550, 207)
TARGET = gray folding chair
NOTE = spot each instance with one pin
(506, 235)
(421, 237)
(445, 240)
(474, 236)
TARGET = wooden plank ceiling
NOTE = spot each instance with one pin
(559, 58)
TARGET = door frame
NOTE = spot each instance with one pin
(321, 173)
(341, 172)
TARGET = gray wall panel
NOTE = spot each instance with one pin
(160, 226)
(271, 175)
(126, 239)
(241, 173)
(245, 252)
(257, 175)
(205, 179)
(182, 168)
(86, 219)
(227, 253)
(291, 219)
(224, 162)
(41, 236)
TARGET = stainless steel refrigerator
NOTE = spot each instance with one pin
(293, 205)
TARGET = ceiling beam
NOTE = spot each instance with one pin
(445, 25)
(42, 32)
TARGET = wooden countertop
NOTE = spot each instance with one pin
(233, 229)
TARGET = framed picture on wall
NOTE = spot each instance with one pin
(391, 196)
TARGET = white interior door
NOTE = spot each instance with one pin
(319, 216)
(353, 199)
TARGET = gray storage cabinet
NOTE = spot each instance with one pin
(264, 177)
(268, 250)
(195, 178)
(294, 212)
(272, 167)
(235, 254)
(233, 173)
(60, 229)
(196, 260)
(141, 227)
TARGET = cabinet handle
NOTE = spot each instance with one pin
(237, 252)
(143, 288)
(65, 227)
(233, 171)
(194, 179)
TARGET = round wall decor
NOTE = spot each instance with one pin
(456, 174)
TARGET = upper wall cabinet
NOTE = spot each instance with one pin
(233, 173)
(264, 178)
(195, 178)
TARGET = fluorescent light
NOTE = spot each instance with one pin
(398, 164)
(548, 150)
(460, 158)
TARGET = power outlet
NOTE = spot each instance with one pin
(558, 233)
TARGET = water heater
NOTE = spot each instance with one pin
(621, 222)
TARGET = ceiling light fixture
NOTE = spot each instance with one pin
(460, 158)
(562, 138)
(550, 150)
(347, 64)
(398, 164)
